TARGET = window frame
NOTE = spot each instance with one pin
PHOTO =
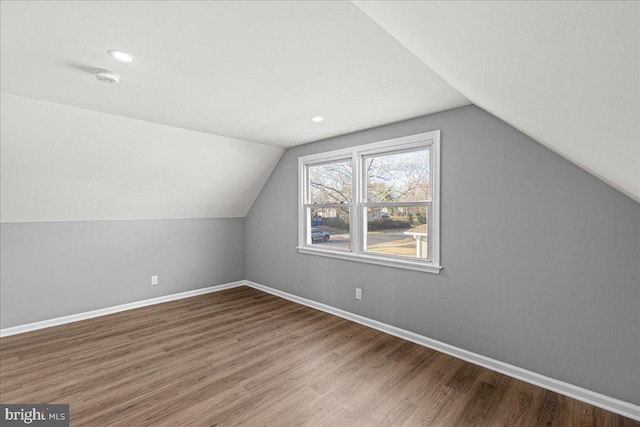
(358, 205)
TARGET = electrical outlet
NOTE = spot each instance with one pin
(154, 280)
(358, 293)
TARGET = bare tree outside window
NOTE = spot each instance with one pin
(402, 177)
(331, 183)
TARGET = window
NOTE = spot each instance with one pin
(375, 203)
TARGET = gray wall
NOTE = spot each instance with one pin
(541, 260)
(52, 269)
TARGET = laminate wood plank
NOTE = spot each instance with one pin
(552, 410)
(193, 414)
(394, 412)
(465, 378)
(283, 411)
(135, 412)
(483, 399)
(334, 416)
(439, 408)
(244, 357)
(392, 402)
(440, 372)
(518, 406)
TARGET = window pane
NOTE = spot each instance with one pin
(398, 231)
(402, 177)
(330, 227)
(330, 183)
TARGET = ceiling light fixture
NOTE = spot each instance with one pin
(107, 76)
(317, 119)
(121, 56)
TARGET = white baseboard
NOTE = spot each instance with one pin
(115, 309)
(600, 400)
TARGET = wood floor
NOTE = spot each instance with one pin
(244, 357)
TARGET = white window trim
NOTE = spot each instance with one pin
(356, 253)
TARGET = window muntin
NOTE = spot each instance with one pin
(378, 203)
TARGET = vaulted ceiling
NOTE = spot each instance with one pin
(246, 77)
(565, 73)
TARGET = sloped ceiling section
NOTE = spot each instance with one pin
(252, 70)
(565, 73)
(61, 163)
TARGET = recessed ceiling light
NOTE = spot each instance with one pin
(121, 56)
(317, 119)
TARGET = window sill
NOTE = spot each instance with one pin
(372, 259)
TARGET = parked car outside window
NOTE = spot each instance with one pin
(317, 235)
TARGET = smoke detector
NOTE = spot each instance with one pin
(107, 76)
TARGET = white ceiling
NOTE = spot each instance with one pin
(565, 73)
(257, 71)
